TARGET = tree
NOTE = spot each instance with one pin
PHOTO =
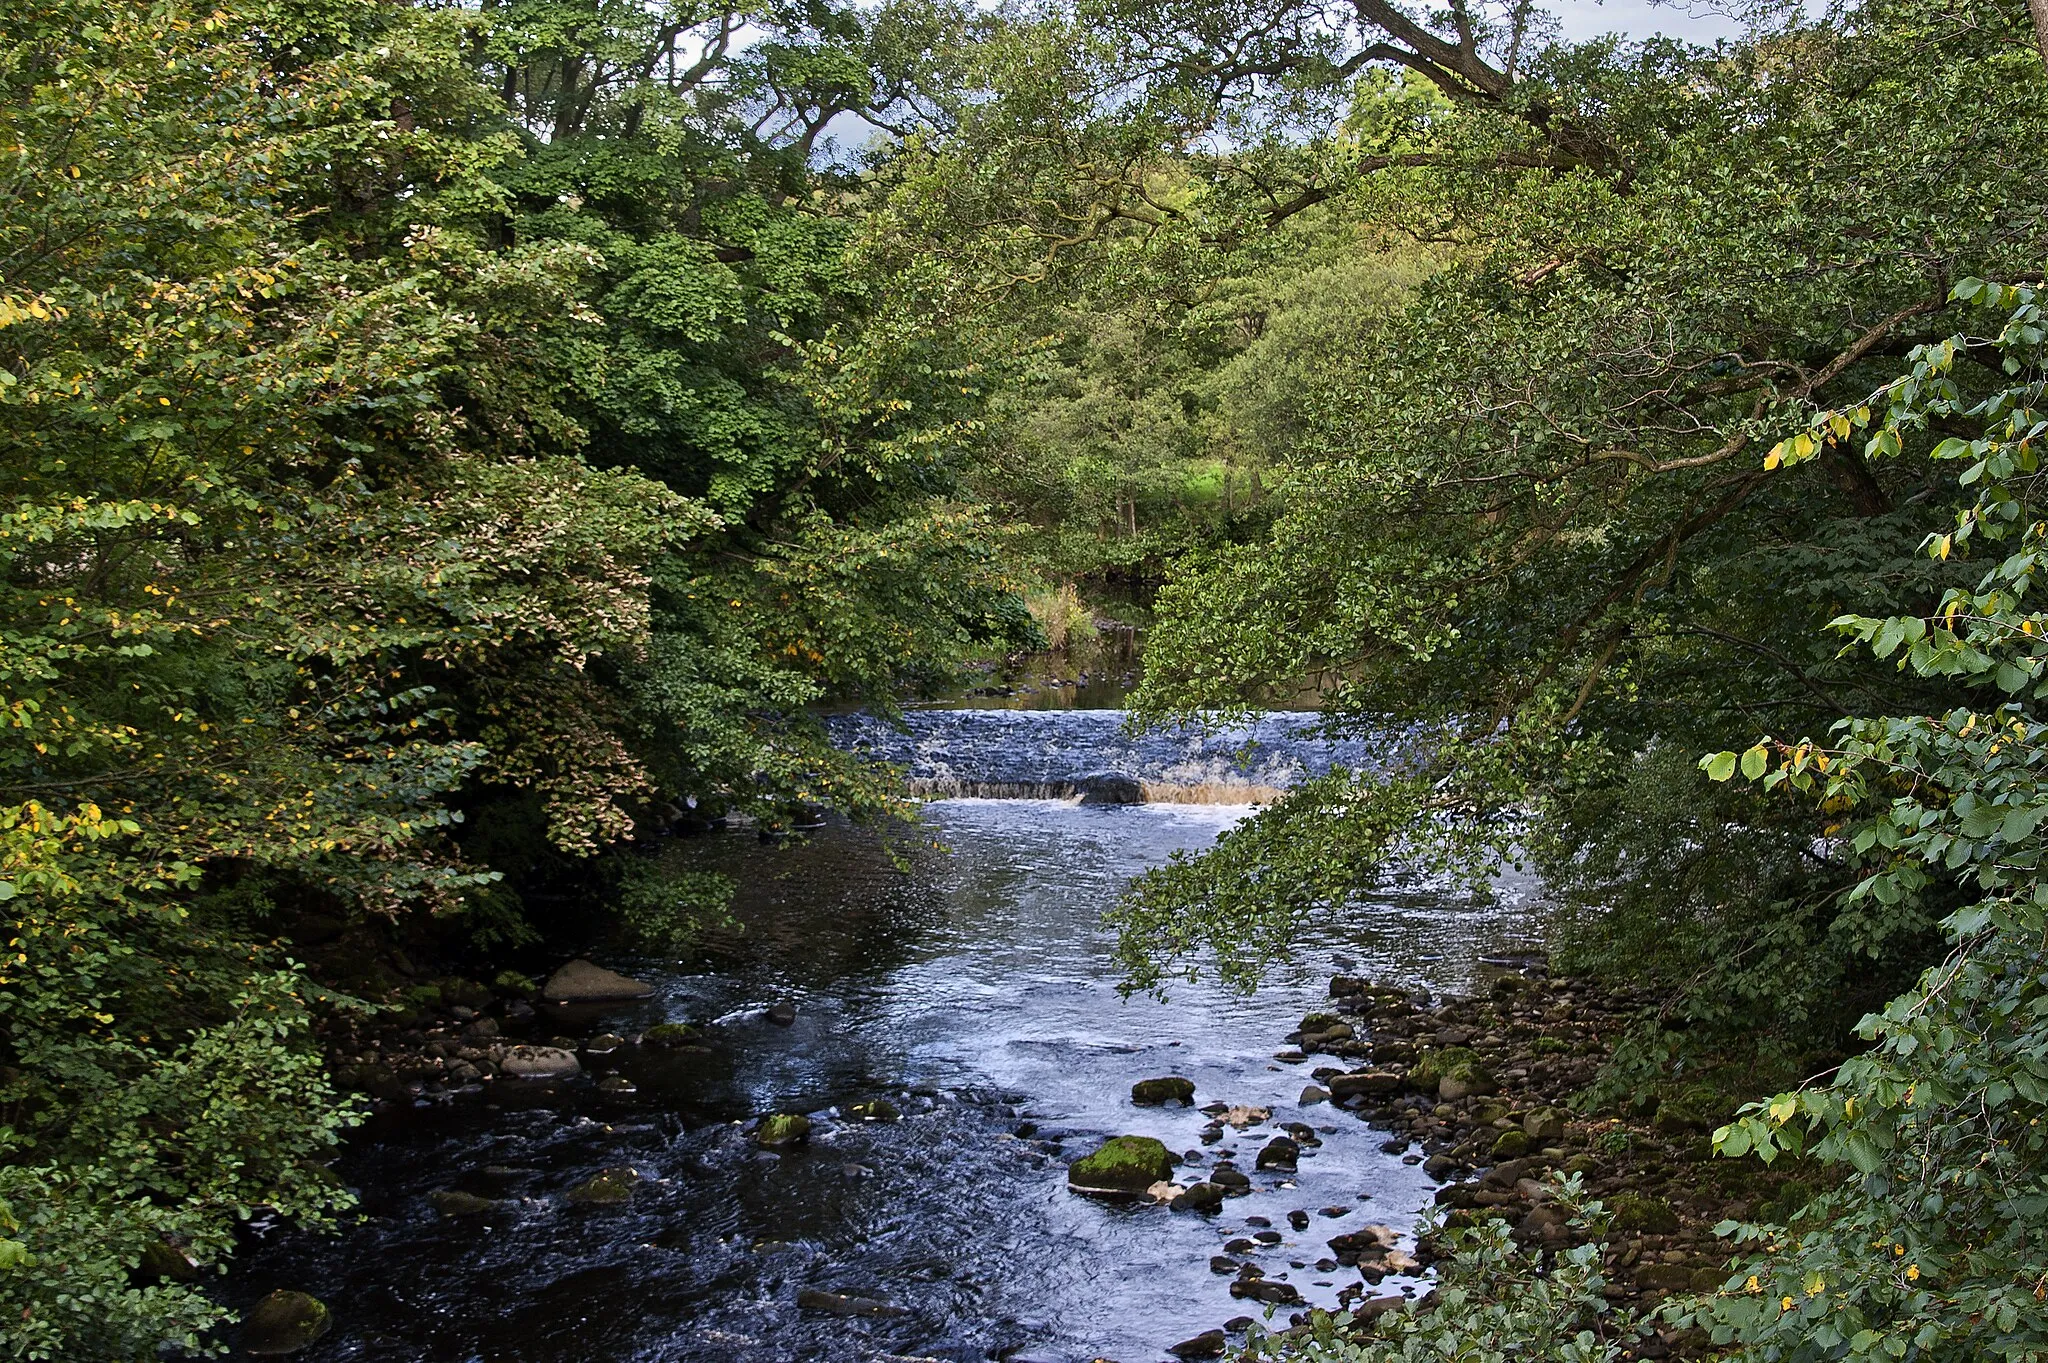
(1535, 521)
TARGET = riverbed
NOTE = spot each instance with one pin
(971, 987)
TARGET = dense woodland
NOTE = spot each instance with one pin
(446, 447)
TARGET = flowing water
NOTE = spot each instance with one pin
(972, 987)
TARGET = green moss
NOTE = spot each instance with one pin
(1435, 1063)
(284, 1323)
(782, 1130)
(605, 1188)
(1511, 1145)
(874, 1110)
(1650, 1215)
(1129, 1164)
(513, 983)
(670, 1035)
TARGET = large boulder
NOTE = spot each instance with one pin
(1154, 1092)
(539, 1062)
(1123, 1164)
(284, 1323)
(584, 982)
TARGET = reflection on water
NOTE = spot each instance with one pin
(973, 990)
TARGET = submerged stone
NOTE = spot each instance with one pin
(284, 1323)
(583, 981)
(451, 1202)
(882, 1110)
(605, 1188)
(670, 1035)
(839, 1304)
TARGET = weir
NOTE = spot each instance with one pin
(1095, 756)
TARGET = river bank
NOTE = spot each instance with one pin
(1478, 1089)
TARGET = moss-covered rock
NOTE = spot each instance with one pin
(874, 1110)
(284, 1323)
(450, 1202)
(670, 1035)
(1153, 1092)
(513, 984)
(1511, 1145)
(1676, 1118)
(1123, 1164)
(1545, 1125)
(605, 1188)
(167, 1263)
(1637, 1212)
(782, 1130)
(466, 993)
(1466, 1079)
(1438, 1061)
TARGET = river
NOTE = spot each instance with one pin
(971, 987)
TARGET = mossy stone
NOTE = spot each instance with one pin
(1123, 1164)
(1438, 1061)
(284, 1323)
(1153, 1092)
(782, 1130)
(669, 1035)
(1464, 1080)
(874, 1110)
(605, 1188)
(450, 1202)
(1545, 1125)
(167, 1263)
(1649, 1215)
(1511, 1145)
(514, 984)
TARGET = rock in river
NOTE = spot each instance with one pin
(838, 1304)
(1208, 1344)
(583, 982)
(540, 1062)
(1279, 1153)
(605, 1188)
(284, 1323)
(1111, 788)
(782, 1130)
(1266, 1290)
(670, 1036)
(1124, 1164)
(452, 1202)
(1154, 1092)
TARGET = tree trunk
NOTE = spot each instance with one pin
(2039, 9)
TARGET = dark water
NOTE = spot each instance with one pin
(974, 991)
